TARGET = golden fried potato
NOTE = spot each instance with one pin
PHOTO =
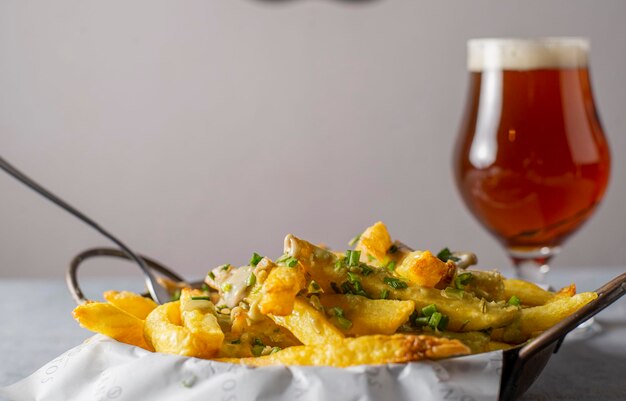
(426, 270)
(108, 319)
(486, 284)
(565, 292)
(365, 350)
(530, 294)
(375, 241)
(349, 313)
(537, 319)
(540, 318)
(308, 324)
(370, 316)
(191, 332)
(466, 312)
(497, 345)
(130, 302)
(477, 341)
(279, 290)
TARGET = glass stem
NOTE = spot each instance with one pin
(533, 264)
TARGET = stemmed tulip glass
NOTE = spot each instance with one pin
(531, 161)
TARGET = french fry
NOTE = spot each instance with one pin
(375, 241)
(529, 294)
(308, 324)
(375, 349)
(497, 345)
(370, 316)
(130, 302)
(426, 270)
(316, 261)
(477, 341)
(193, 332)
(279, 290)
(466, 312)
(108, 319)
(349, 314)
(565, 292)
(533, 321)
(541, 318)
(486, 284)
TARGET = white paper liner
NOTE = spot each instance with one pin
(104, 369)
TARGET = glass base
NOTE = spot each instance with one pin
(531, 264)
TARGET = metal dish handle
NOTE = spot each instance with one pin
(607, 294)
(71, 277)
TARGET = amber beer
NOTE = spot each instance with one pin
(532, 162)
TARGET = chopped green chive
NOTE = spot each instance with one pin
(343, 322)
(384, 294)
(200, 298)
(211, 275)
(255, 259)
(366, 270)
(340, 318)
(257, 350)
(515, 301)
(354, 240)
(287, 260)
(443, 323)
(227, 287)
(251, 280)
(435, 319)
(225, 267)
(175, 295)
(445, 255)
(391, 266)
(314, 288)
(454, 292)
(205, 287)
(421, 321)
(339, 263)
(352, 277)
(291, 262)
(353, 257)
(429, 310)
(337, 311)
(275, 349)
(346, 288)
(462, 280)
(395, 283)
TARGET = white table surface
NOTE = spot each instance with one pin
(36, 326)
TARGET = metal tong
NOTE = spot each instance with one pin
(157, 292)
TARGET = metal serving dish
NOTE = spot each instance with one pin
(521, 365)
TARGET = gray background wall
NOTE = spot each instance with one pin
(200, 131)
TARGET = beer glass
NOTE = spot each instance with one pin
(531, 161)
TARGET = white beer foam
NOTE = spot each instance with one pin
(526, 54)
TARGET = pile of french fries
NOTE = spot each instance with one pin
(377, 303)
